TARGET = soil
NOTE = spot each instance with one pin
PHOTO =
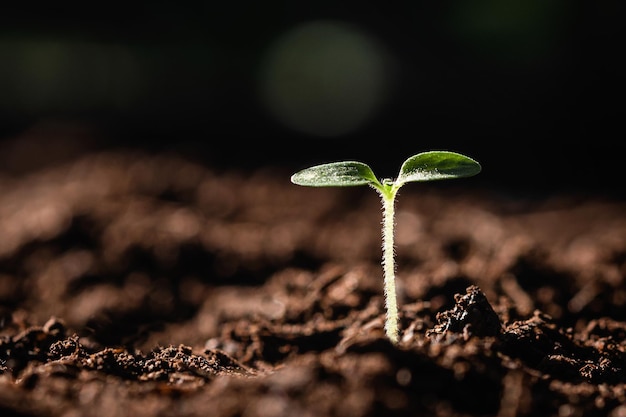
(141, 284)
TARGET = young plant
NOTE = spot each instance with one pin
(425, 166)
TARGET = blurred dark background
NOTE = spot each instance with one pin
(532, 89)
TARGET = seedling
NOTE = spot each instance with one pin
(425, 166)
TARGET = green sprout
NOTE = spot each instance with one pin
(425, 166)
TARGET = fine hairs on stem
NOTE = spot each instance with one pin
(389, 269)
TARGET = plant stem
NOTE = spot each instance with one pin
(391, 321)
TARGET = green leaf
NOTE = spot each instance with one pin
(437, 165)
(336, 174)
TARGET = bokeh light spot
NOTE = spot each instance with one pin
(324, 78)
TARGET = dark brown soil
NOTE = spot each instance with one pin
(147, 285)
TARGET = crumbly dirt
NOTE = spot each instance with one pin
(136, 284)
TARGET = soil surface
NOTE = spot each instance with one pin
(136, 284)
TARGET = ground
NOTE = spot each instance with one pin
(136, 284)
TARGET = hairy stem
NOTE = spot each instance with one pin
(391, 321)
